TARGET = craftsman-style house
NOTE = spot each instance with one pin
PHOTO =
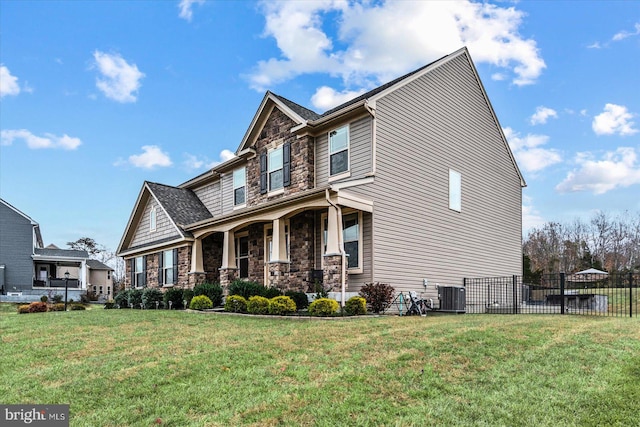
(410, 184)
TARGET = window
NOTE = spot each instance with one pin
(239, 187)
(108, 274)
(351, 237)
(275, 169)
(139, 275)
(242, 256)
(455, 190)
(152, 219)
(168, 267)
(339, 150)
(100, 290)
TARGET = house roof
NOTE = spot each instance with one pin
(181, 204)
(94, 264)
(303, 112)
(61, 253)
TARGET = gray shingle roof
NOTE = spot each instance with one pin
(94, 264)
(66, 253)
(181, 204)
(303, 112)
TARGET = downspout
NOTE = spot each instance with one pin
(343, 254)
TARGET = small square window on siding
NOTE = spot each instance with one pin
(455, 190)
(239, 187)
(339, 150)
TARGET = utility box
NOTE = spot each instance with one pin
(453, 299)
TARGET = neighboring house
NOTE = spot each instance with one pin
(28, 270)
(100, 280)
(411, 184)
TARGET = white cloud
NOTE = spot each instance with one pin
(151, 157)
(64, 142)
(530, 216)
(326, 98)
(618, 168)
(186, 8)
(8, 83)
(193, 163)
(595, 45)
(543, 114)
(624, 34)
(614, 120)
(528, 152)
(372, 47)
(119, 80)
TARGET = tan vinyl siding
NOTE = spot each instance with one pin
(164, 227)
(210, 196)
(438, 122)
(359, 152)
(226, 182)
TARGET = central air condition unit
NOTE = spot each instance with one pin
(452, 299)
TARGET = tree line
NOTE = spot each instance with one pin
(605, 242)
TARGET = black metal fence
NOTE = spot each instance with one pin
(560, 293)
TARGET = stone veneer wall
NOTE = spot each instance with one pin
(256, 253)
(278, 129)
(212, 257)
(184, 266)
(152, 270)
(332, 273)
(301, 251)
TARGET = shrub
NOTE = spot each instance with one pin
(135, 298)
(282, 305)
(175, 296)
(323, 307)
(57, 298)
(356, 306)
(378, 295)
(150, 296)
(122, 299)
(200, 302)
(300, 298)
(187, 295)
(75, 307)
(258, 305)
(246, 289)
(38, 307)
(211, 290)
(271, 292)
(56, 307)
(22, 309)
(236, 304)
(44, 298)
(109, 305)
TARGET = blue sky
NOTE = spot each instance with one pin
(97, 97)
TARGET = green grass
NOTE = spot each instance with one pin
(125, 367)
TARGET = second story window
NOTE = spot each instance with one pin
(339, 150)
(275, 169)
(239, 187)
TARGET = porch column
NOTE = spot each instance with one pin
(228, 270)
(333, 260)
(279, 265)
(196, 275)
(83, 275)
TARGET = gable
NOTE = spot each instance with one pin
(165, 229)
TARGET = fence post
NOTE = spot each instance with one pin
(631, 294)
(561, 293)
(515, 294)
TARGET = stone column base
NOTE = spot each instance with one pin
(278, 275)
(332, 273)
(196, 278)
(227, 275)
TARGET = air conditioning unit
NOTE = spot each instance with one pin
(452, 299)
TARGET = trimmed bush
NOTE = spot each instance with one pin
(300, 298)
(57, 298)
(38, 307)
(271, 292)
(150, 296)
(44, 298)
(356, 306)
(258, 305)
(235, 304)
(23, 309)
(200, 302)
(246, 289)
(211, 290)
(175, 295)
(282, 305)
(378, 295)
(75, 307)
(323, 307)
(56, 307)
(121, 299)
(135, 298)
(187, 295)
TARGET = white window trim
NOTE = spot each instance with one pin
(165, 268)
(136, 272)
(278, 190)
(354, 270)
(153, 219)
(455, 204)
(233, 192)
(339, 175)
(236, 243)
